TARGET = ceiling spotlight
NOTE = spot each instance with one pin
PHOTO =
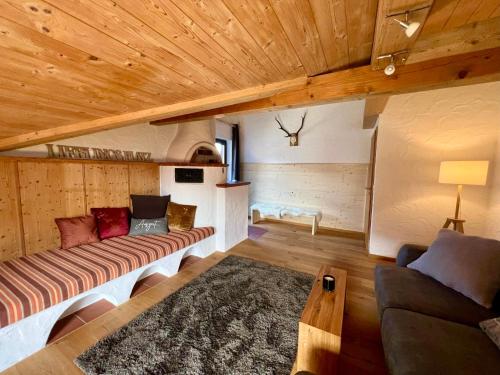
(390, 68)
(410, 27)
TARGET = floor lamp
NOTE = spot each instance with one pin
(462, 173)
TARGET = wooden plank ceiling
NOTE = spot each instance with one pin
(64, 62)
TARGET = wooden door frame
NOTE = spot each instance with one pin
(369, 188)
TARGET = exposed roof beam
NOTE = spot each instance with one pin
(470, 68)
(374, 106)
(151, 114)
(349, 84)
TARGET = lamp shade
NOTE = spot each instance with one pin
(464, 172)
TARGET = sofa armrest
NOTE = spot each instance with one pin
(408, 253)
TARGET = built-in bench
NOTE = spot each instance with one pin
(39, 289)
(262, 210)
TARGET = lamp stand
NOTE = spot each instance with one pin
(458, 224)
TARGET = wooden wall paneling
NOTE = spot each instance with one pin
(48, 191)
(11, 236)
(45, 18)
(338, 190)
(106, 185)
(144, 179)
(389, 35)
(330, 18)
(297, 19)
(262, 22)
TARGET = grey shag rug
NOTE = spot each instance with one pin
(239, 317)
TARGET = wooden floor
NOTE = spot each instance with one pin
(284, 245)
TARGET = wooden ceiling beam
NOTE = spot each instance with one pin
(93, 126)
(357, 83)
(390, 37)
(374, 106)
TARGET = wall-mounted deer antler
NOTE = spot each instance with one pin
(294, 137)
(282, 127)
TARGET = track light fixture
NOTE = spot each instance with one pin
(410, 28)
(390, 68)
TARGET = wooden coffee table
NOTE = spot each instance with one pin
(320, 326)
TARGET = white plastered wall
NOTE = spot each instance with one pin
(140, 137)
(166, 143)
(416, 132)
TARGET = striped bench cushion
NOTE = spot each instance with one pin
(32, 283)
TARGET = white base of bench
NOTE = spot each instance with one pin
(256, 217)
(27, 336)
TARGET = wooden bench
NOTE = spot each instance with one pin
(258, 211)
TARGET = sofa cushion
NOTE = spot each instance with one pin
(467, 264)
(404, 288)
(419, 344)
(35, 282)
(409, 253)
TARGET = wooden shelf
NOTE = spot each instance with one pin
(232, 184)
(184, 164)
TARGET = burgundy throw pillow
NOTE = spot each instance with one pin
(76, 231)
(112, 222)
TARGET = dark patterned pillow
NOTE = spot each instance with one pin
(139, 227)
(492, 328)
(149, 206)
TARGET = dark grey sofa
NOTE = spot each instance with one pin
(428, 328)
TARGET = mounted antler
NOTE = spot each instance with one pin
(282, 127)
(302, 124)
(294, 137)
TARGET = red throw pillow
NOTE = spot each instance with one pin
(76, 231)
(112, 222)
